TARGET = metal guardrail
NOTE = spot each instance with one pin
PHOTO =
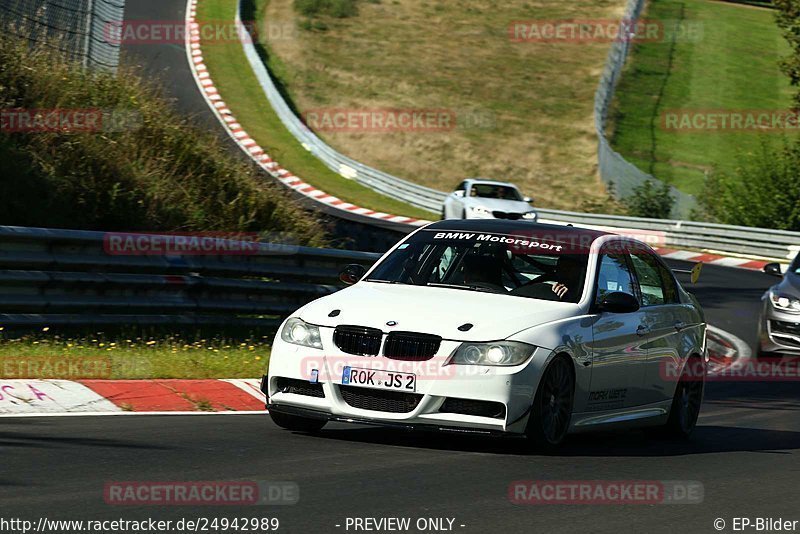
(758, 242)
(81, 28)
(70, 277)
(73, 277)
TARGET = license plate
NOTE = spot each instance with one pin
(353, 376)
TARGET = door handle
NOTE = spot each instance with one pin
(680, 325)
(642, 330)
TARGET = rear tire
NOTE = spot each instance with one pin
(552, 406)
(296, 423)
(686, 402)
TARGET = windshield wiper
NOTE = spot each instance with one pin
(378, 281)
(459, 286)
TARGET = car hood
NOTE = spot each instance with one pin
(435, 310)
(497, 204)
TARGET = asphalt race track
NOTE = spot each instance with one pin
(744, 451)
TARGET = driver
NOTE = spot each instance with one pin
(567, 275)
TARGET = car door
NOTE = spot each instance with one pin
(665, 317)
(618, 352)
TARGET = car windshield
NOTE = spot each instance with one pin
(503, 192)
(518, 265)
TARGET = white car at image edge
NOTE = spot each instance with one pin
(498, 327)
(487, 199)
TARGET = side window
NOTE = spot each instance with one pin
(670, 286)
(649, 275)
(614, 275)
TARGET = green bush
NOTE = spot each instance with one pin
(764, 191)
(155, 173)
(651, 199)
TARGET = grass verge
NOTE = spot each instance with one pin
(109, 357)
(523, 110)
(240, 89)
(730, 63)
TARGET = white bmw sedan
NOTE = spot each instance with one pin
(496, 327)
(486, 199)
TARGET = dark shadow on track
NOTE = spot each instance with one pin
(21, 439)
(628, 443)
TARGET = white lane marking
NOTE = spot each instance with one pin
(741, 354)
(50, 396)
(248, 385)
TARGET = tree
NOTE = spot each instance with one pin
(763, 191)
(788, 19)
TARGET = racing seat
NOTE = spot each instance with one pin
(483, 270)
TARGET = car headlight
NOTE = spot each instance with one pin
(784, 303)
(299, 332)
(480, 210)
(496, 353)
(531, 215)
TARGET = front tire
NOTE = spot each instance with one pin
(552, 406)
(296, 423)
(687, 400)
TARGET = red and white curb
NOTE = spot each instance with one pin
(21, 397)
(249, 145)
(713, 259)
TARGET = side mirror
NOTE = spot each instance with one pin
(773, 268)
(459, 193)
(619, 302)
(529, 200)
(352, 273)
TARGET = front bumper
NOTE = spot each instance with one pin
(779, 332)
(439, 389)
(325, 416)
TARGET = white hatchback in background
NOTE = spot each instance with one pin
(486, 199)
